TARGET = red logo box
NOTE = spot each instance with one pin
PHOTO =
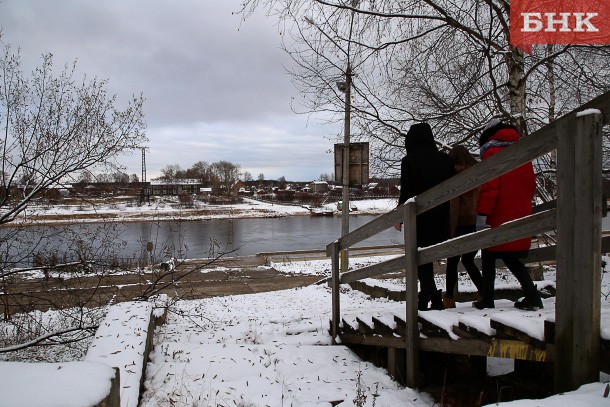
(559, 22)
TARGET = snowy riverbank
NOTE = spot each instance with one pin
(166, 209)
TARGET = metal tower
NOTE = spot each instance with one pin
(144, 193)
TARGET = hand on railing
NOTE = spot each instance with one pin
(398, 227)
(482, 222)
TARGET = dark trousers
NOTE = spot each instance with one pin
(425, 275)
(467, 261)
(511, 259)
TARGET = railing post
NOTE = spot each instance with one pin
(334, 284)
(578, 299)
(412, 336)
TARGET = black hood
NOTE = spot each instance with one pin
(419, 135)
(489, 131)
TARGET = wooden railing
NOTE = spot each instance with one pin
(577, 219)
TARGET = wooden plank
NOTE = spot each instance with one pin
(381, 328)
(401, 326)
(374, 340)
(515, 155)
(335, 293)
(538, 143)
(348, 327)
(431, 330)
(396, 364)
(392, 362)
(412, 331)
(500, 348)
(463, 333)
(577, 308)
(565, 255)
(506, 331)
(388, 266)
(549, 331)
(546, 253)
(372, 228)
(587, 244)
(601, 103)
(365, 328)
(372, 291)
(462, 346)
(514, 349)
(527, 226)
(473, 332)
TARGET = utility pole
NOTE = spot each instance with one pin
(143, 189)
(345, 181)
(346, 138)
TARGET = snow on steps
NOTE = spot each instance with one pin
(379, 288)
(124, 340)
(111, 374)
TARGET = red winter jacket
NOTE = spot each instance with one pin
(509, 196)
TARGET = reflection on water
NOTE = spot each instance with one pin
(192, 239)
(250, 236)
(203, 239)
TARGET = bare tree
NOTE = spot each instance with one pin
(447, 63)
(325, 177)
(282, 182)
(225, 174)
(201, 171)
(170, 172)
(54, 127)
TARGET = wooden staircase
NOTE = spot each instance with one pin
(503, 332)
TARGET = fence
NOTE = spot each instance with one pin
(577, 137)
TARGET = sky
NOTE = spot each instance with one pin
(215, 86)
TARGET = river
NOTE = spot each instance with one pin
(244, 237)
(207, 238)
(200, 239)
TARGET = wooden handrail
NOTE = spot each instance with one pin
(523, 227)
(578, 142)
(521, 152)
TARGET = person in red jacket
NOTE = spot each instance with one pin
(503, 199)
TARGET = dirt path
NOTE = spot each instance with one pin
(193, 279)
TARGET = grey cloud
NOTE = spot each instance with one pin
(197, 66)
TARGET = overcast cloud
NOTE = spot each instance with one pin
(215, 86)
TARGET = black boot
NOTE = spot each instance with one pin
(533, 302)
(437, 300)
(422, 301)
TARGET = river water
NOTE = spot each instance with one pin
(208, 238)
(244, 237)
(196, 239)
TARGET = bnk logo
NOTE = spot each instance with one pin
(559, 22)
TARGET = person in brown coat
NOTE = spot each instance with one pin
(463, 216)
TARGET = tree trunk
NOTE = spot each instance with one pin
(516, 87)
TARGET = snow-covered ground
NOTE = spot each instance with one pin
(273, 349)
(160, 209)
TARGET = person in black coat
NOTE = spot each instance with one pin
(422, 168)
